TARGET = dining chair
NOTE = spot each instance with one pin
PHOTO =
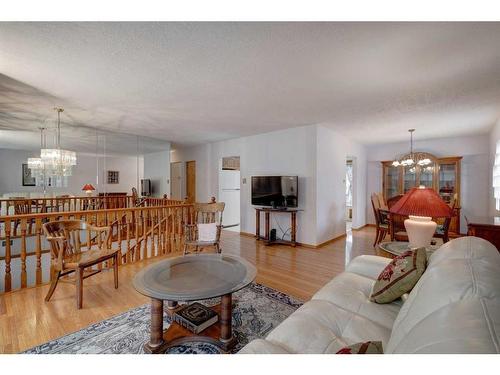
(22, 206)
(381, 219)
(71, 254)
(442, 230)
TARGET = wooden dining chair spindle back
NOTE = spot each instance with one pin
(204, 213)
(70, 253)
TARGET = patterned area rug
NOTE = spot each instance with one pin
(257, 309)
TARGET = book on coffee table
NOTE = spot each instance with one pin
(195, 317)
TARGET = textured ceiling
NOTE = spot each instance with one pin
(199, 82)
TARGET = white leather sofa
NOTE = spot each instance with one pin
(454, 308)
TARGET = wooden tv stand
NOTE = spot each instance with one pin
(267, 213)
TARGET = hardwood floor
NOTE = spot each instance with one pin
(27, 320)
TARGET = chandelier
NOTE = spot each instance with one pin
(54, 164)
(36, 164)
(412, 159)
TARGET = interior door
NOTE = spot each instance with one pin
(176, 180)
(191, 181)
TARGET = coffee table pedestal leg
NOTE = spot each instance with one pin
(156, 339)
(172, 305)
(220, 334)
(226, 332)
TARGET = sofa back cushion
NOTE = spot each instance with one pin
(455, 306)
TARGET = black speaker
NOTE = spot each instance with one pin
(272, 235)
(146, 187)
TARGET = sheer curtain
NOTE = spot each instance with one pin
(348, 185)
(496, 176)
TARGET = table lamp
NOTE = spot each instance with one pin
(421, 204)
(88, 189)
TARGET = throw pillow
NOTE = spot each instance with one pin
(369, 347)
(400, 276)
(207, 232)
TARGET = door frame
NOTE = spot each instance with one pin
(355, 197)
(191, 195)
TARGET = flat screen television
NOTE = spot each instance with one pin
(275, 191)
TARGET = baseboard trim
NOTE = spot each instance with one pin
(329, 241)
(306, 245)
(363, 226)
(246, 234)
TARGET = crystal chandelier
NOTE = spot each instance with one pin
(36, 164)
(412, 158)
(54, 165)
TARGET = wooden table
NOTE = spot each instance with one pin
(193, 278)
(487, 227)
(267, 213)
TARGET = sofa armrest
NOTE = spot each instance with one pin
(260, 346)
(368, 266)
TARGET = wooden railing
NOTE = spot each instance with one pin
(153, 202)
(139, 232)
(13, 206)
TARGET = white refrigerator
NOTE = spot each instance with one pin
(229, 193)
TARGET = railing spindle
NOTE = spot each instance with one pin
(24, 282)
(8, 276)
(38, 251)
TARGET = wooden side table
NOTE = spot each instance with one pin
(267, 215)
(487, 227)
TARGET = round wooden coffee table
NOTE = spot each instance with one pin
(191, 278)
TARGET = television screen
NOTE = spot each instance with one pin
(275, 191)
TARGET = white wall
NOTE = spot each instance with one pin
(290, 152)
(86, 171)
(315, 153)
(157, 169)
(475, 169)
(285, 152)
(333, 149)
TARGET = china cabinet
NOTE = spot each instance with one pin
(441, 174)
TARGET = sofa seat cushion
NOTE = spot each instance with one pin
(340, 314)
(463, 327)
(352, 292)
(260, 346)
(320, 326)
(368, 266)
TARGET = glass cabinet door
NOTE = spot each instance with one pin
(409, 178)
(391, 181)
(447, 181)
(427, 175)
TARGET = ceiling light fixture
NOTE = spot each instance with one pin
(36, 164)
(412, 158)
(54, 164)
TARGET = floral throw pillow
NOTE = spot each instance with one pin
(400, 276)
(369, 347)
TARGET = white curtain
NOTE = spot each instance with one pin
(496, 176)
(348, 185)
